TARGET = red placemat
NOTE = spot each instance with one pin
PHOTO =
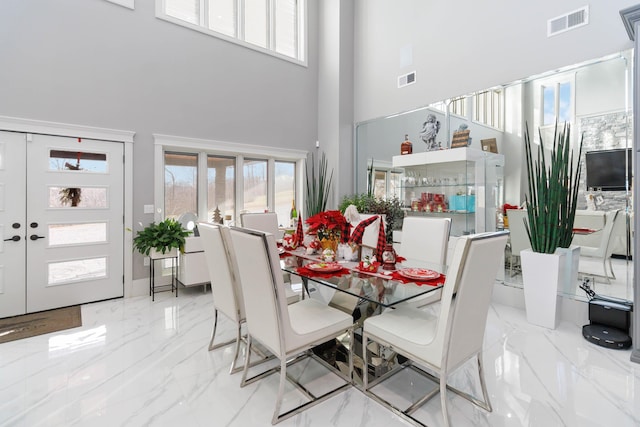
(304, 271)
(434, 282)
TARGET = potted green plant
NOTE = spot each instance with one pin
(318, 186)
(162, 239)
(367, 204)
(551, 202)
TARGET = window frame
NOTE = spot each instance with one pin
(548, 130)
(202, 27)
(168, 143)
(491, 105)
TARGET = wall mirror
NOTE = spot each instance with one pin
(594, 97)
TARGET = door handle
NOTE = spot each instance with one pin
(36, 237)
(15, 238)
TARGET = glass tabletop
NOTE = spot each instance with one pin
(386, 288)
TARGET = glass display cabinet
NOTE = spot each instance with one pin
(463, 184)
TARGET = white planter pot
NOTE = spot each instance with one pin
(541, 275)
(572, 261)
(154, 254)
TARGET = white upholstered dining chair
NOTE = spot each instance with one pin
(268, 222)
(443, 341)
(226, 291)
(604, 250)
(287, 331)
(425, 243)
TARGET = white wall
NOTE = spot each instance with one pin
(98, 64)
(461, 46)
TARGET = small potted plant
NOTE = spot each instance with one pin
(161, 240)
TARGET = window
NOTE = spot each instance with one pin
(180, 184)
(200, 177)
(272, 26)
(457, 106)
(285, 191)
(255, 185)
(556, 103)
(488, 108)
(386, 181)
(221, 186)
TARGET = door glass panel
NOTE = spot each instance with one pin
(221, 186)
(77, 234)
(180, 184)
(77, 161)
(255, 185)
(81, 197)
(76, 271)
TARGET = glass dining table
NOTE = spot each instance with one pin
(385, 288)
(343, 285)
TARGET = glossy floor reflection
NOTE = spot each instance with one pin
(135, 363)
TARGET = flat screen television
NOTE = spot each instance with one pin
(607, 170)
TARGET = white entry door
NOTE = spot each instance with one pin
(72, 231)
(13, 201)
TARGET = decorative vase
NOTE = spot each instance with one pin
(330, 243)
(541, 276)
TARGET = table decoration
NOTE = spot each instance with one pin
(358, 232)
(328, 255)
(330, 227)
(388, 258)
(289, 242)
(306, 272)
(313, 247)
(419, 273)
(368, 266)
(403, 279)
(299, 234)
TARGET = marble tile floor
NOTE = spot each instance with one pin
(140, 363)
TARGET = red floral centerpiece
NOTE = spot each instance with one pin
(330, 227)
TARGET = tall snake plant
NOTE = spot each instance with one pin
(318, 186)
(553, 192)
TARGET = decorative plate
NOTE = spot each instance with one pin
(419, 273)
(324, 267)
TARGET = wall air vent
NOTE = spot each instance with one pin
(568, 21)
(406, 79)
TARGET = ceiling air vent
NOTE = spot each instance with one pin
(407, 79)
(569, 21)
